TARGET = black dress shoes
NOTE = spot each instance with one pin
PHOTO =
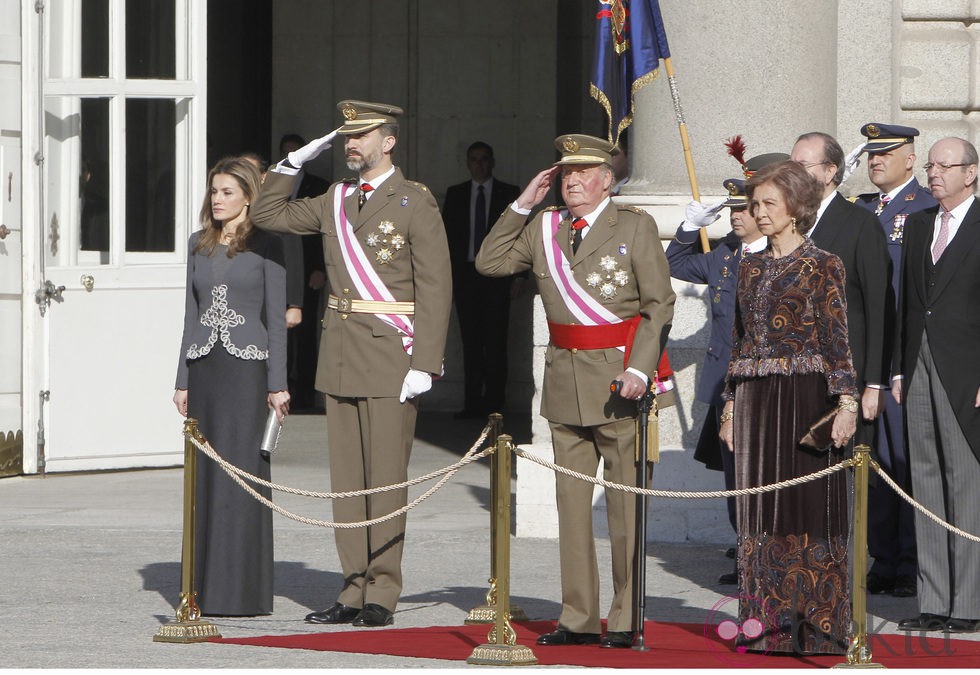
(373, 616)
(962, 625)
(730, 553)
(617, 639)
(925, 621)
(728, 579)
(567, 637)
(337, 614)
(904, 586)
(879, 583)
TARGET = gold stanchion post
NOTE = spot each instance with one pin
(502, 648)
(859, 651)
(188, 626)
(486, 613)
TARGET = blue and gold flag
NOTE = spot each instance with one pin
(630, 41)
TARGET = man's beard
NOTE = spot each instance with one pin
(361, 163)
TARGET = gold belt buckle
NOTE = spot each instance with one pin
(343, 305)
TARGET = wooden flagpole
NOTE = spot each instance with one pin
(685, 143)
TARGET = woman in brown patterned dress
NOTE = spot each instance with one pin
(790, 364)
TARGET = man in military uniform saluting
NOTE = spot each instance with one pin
(387, 263)
(604, 281)
(891, 521)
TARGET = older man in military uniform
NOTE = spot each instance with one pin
(891, 522)
(384, 333)
(604, 281)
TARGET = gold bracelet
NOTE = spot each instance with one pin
(847, 403)
(726, 416)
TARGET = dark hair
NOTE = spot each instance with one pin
(247, 177)
(479, 145)
(832, 152)
(291, 138)
(261, 162)
(799, 189)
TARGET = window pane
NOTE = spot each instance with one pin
(78, 38)
(151, 39)
(95, 38)
(94, 179)
(150, 169)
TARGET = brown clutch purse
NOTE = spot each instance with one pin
(818, 436)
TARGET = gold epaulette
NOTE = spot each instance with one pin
(629, 207)
(417, 185)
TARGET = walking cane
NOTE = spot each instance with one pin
(643, 406)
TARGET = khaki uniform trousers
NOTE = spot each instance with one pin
(369, 442)
(579, 449)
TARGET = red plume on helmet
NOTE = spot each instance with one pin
(736, 148)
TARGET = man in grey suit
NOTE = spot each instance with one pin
(937, 372)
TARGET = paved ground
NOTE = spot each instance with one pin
(90, 563)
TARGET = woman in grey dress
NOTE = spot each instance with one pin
(231, 371)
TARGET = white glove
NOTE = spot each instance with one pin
(852, 161)
(416, 382)
(299, 157)
(697, 215)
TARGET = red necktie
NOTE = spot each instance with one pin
(577, 225)
(362, 197)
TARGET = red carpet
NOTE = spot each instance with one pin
(676, 645)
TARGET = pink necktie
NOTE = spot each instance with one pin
(943, 238)
(882, 203)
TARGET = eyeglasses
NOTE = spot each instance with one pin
(940, 167)
(807, 165)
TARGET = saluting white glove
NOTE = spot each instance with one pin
(299, 157)
(697, 215)
(852, 161)
(416, 382)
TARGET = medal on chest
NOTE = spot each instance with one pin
(898, 228)
(386, 240)
(608, 279)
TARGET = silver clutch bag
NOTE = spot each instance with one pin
(270, 437)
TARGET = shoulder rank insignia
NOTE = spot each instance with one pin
(553, 208)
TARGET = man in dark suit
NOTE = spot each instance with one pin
(718, 269)
(304, 339)
(854, 235)
(891, 523)
(937, 373)
(482, 303)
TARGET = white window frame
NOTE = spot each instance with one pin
(188, 91)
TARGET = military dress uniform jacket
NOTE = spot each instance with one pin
(719, 270)
(576, 382)
(912, 198)
(940, 300)
(360, 355)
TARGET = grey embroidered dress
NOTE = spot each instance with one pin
(232, 353)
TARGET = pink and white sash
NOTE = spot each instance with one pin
(365, 277)
(579, 302)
